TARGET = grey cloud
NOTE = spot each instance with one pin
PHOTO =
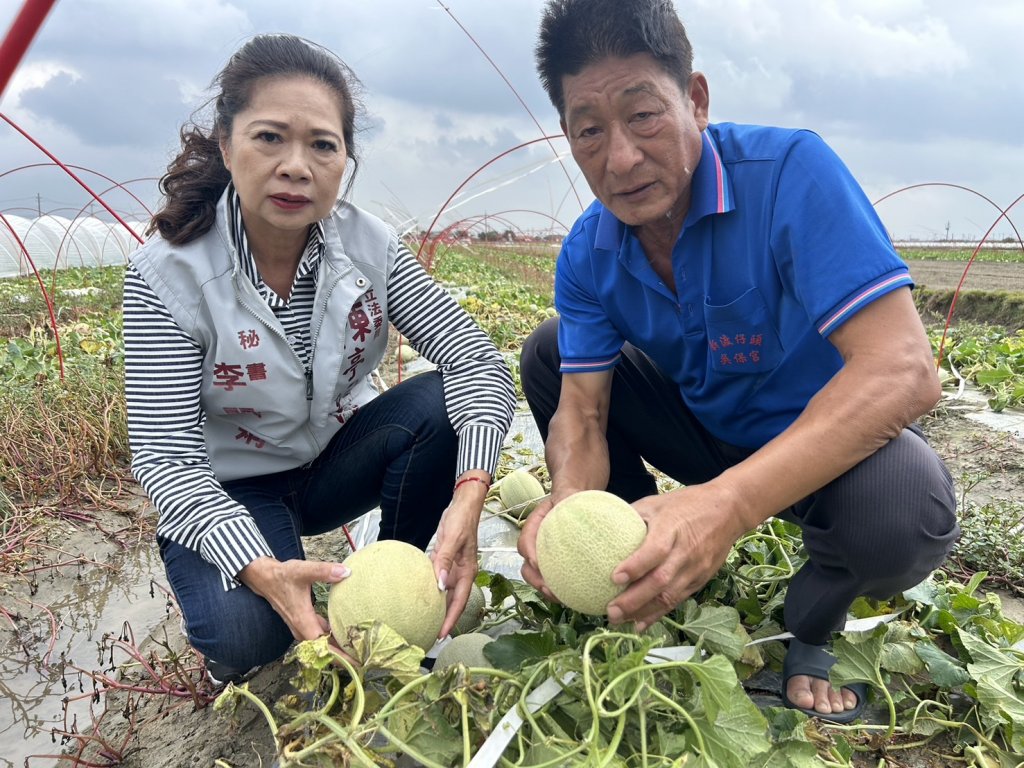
(102, 112)
(465, 153)
(435, 64)
(99, 28)
(141, 60)
(914, 110)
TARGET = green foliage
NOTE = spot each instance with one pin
(612, 701)
(505, 305)
(997, 308)
(73, 293)
(62, 438)
(950, 671)
(987, 357)
(1003, 255)
(88, 343)
(87, 311)
(990, 540)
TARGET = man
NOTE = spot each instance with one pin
(732, 311)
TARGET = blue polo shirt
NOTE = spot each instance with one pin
(779, 248)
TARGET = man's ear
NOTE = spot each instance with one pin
(701, 98)
(561, 124)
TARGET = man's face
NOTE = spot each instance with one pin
(636, 137)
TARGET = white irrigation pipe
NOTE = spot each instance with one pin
(492, 749)
(961, 381)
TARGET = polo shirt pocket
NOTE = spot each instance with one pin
(741, 336)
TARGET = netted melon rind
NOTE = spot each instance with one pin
(392, 582)
(580, 542)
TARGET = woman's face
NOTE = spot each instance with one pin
(286, 155)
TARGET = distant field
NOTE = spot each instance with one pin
(945, 275)
(1002, 254)
(991, 292)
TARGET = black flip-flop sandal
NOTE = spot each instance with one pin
(816, 661)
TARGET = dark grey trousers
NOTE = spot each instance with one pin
(877, 530)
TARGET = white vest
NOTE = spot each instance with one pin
(263, 413)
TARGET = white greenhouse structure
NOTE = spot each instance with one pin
(54, 242)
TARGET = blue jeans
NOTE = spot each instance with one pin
(398, 452)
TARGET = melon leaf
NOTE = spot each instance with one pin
(510, 652)
(428, 732)
(716, 627)
(378, 646)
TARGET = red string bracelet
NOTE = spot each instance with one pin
(471, 479)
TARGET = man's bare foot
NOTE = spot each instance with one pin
(814, 693)
(807, 687)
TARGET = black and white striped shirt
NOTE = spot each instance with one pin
(163, 376)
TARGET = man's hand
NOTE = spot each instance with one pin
(527, 547)
(455, 551)
(690, 532)
(288, 586)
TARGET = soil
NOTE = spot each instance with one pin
(982, 275)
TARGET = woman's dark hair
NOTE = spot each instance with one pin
(577, 33)
(196, 178)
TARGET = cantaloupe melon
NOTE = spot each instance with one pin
(405, 353)
(472, 614)
(519, 491)
(392, 582)
(467, 649)
(580, 542)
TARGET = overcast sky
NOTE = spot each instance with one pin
(906, 91)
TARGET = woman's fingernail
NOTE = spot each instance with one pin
(340, 572)
(442, 581)
(614, 615)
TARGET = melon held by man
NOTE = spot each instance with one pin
(580, 542)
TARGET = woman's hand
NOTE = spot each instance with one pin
(288, 587)
(455, 551)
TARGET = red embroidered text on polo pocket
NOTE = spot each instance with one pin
(741, 335)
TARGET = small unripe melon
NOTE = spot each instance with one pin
(580, 542)
(472, 614)
(519, 492)
(394, 583)
(467, 649)
(405, 353)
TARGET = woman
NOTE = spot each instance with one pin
(253, 320)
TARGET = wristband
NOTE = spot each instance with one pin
(471, 479)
